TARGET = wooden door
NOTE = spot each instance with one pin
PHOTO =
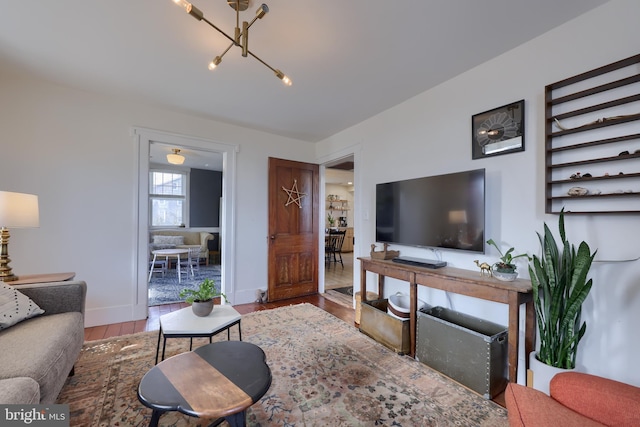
(293, 229)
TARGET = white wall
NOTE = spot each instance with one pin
(75, 150)
(430, 134)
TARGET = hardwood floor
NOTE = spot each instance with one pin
(337, 275)
(152, 323)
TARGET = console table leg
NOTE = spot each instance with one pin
(513, 336)
(413, 307)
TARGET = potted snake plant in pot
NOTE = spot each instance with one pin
(560, 286)
(505, 269)
(201, 298)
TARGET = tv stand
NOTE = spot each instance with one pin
(463, 282)
(420, 262)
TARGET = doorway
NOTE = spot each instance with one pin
(151, 147)
(185, 204)
(340, 215)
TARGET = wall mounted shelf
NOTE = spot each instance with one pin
(592, 122)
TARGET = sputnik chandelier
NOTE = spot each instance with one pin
(241, 36)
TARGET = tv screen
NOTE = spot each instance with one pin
(443, 211)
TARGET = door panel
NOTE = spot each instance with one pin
(293, 229)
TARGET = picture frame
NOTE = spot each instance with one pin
(498, 131)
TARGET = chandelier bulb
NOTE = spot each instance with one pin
(183, 4)
(214, 63)
(286, 80)
(190, 9)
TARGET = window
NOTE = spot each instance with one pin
(167, 198)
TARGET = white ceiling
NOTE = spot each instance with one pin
(348, 60)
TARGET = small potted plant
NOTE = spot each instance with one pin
(332, 221)
(201, 299)
(505, 269)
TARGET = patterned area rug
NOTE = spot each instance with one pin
(325, 373)
(166, 290)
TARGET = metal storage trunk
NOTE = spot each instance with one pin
(467, 349)
(384, 328)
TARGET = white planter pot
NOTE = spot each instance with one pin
(542, 373)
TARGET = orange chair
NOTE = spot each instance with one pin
(577, 399)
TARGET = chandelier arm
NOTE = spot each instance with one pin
(263, 63)
(219, 30)
(227, 50)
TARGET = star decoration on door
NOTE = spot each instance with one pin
(294, 195)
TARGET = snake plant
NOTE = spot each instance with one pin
(560, 286)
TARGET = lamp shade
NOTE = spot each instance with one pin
(19, 210)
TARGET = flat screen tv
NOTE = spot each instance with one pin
(443, 211)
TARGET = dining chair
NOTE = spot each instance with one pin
(333, 249)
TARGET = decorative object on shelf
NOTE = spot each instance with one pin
(498, 131)
(201, 298)
(176, 158)
(505, 270)
(602, 120)
(241, 36)
(292, 192)
(484, 268)
(578, 136)
(384, 254)
(331, 220)
(560, 286)
(578, 191)
(17, 210)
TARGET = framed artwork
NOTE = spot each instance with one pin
(498, 131)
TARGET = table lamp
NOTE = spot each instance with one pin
(17, 210)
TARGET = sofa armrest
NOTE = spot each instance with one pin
(57, 297)
(604, 400)
(205, 236)
(529, 407)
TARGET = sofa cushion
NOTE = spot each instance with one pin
(15, 306)
(43, 348)
(168, 240)
(20, 390)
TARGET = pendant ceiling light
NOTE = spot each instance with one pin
(241, 35)
(176, 158)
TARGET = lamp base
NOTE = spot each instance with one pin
(6, 275)
(8, 278)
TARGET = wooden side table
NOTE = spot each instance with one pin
(28, 279)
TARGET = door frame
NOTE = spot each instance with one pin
(354, 150)
(143, 138)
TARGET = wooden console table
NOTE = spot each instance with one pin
(463, 282)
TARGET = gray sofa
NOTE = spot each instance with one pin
(37, 355)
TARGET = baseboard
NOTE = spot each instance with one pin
(107, 315)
